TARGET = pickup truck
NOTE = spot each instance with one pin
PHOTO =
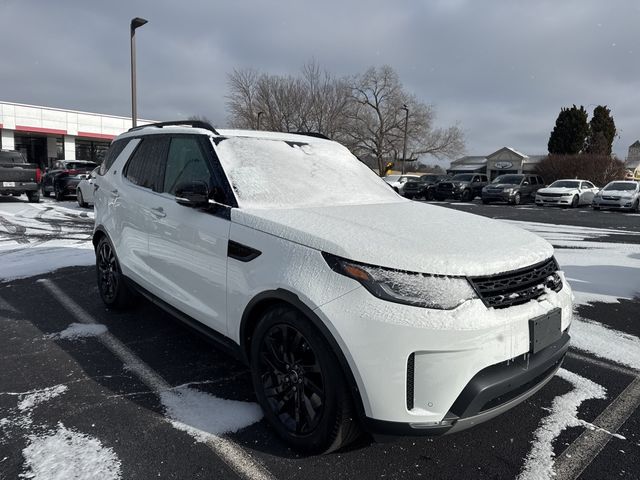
(18, 177)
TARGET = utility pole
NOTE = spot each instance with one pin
(135, 23)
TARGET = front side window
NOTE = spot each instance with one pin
(146, 167)
(462, 177)
(185, 163)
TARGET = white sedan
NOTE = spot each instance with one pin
(86, 189)
(397, 182)
(570, 192)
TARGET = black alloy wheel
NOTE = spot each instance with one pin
(111, 285)
(299, 384)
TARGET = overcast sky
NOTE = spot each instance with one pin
(502, 69)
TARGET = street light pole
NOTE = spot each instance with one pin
(404, 147)
(259, 115)
(135, 23)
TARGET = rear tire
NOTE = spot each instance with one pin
(33, 197)
(59, 194)
(45, 192)
(299, 383)
(111, 283)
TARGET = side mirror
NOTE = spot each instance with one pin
(192, 194)
(525, 183)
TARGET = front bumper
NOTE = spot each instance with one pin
(622, 204)
(449, 349)
(564, 200)
(498, 196)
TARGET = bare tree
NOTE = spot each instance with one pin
(377, 121)
(364, 112)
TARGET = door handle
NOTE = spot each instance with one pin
(158, 212)
(95, 187)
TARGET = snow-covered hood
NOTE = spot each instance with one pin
(404, 235)
(618, 193)
(561, 190)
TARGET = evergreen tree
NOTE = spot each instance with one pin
(602, 131)
(570, 133)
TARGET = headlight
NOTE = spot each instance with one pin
(409, 288)
(507, 190)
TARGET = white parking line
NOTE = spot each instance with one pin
(229, 452)
(579, 455)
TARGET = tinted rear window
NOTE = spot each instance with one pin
(114, 151)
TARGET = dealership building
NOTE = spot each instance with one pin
(505, 160)
(45, 134)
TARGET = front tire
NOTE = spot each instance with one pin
(111, 283)
(299, 384)
(81, 201)
(575, 201)
(517, 199)
(466, 196)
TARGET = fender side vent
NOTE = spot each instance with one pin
(241, 252)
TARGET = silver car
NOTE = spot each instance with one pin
(623, 195)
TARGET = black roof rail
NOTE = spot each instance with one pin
(189, 123)
(312, 134)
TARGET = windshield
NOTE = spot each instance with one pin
(392, 178)
(80, 165)
(509, 179)
(274, 173)
(621, 186)
(462, 177)
(406, 178)
(565, 184)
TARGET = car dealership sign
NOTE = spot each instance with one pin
(503, 165)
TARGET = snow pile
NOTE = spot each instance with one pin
(201, 414)
(268, 173)
(80, 330)
(604, 342)
(564, 410)
(64, 454)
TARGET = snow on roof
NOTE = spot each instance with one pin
(512, 150)
(469, 160)
(466, 168)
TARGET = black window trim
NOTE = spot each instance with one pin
(133, 154)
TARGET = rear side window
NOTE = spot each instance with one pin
(146, 166)
(186, 162)
(114, 151)
(11, 157)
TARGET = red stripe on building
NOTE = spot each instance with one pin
(0, 125)
(24, 128)
(96, 135)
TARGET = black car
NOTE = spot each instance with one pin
(63, 178)
(424, 186)
(512, 188)
(463, 186)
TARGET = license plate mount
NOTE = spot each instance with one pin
(8, 184)
(545, 330)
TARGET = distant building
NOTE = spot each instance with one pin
(504, 160)
(45, 134)
(633, 157)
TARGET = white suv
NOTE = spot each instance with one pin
(355, 309)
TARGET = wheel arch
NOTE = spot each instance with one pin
(98, 233)
(265, 300)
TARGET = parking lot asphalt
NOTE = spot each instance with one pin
(139, 395)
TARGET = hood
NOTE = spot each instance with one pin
(565, 190)
(618, 193)
(502, 185)
(404, 235)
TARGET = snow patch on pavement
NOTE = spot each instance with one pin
(604, 342)
(80, 330)
(37, 260)
(36, 397)
(64, 454)
(597, 271)
(201, 414)
(564, 414)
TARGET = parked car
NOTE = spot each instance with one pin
(63, 178)
(623, 195)
(86, 189)
(354, 308)
(17, 176)
(568, 192)
(512, 188)
(398, 182)
(423, 186)
(463, 186)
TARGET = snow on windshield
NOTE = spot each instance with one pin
(275, 173)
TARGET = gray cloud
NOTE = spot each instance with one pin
(501, 68)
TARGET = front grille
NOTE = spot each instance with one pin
(610, 198)
(445, 186)
(519, 286)
(494, 190)
(410, 373)
(555, 195)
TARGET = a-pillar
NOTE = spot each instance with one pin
(69, 147)
(6, 139)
